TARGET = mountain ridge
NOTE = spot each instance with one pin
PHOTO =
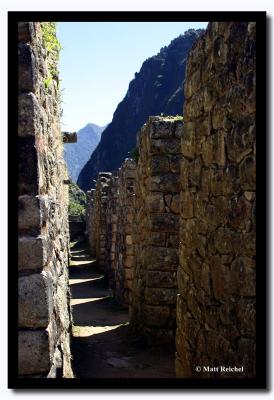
(77, 154)
(156, 89)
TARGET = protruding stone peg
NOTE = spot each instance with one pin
(69, 137)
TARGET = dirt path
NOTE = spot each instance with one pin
(103, 345)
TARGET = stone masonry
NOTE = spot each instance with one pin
(111, 231)
(123, 257)
(216, 275)
(109, 224)
(90, 221)
(187, 214)
(99, 218)
(44, 314)
(157, 207)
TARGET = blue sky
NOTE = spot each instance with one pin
(99, 59)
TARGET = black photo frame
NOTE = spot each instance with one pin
(260, 382)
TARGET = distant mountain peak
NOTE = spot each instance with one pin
(157, 88)
(77, 154)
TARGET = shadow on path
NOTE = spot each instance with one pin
(103, 345)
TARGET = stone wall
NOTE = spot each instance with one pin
(156, 226)
(77, 227)
(111, 231)
(100, 222)
(199, 176)
(216, 276)
(109, 222)
(44, 313)
(123, 258)
(90, 224)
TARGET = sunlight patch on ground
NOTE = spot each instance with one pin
(74, 302)
(85, 331)
(76, 263)
(75, 281)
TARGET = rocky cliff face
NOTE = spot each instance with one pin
(77, 154)
(156, 89)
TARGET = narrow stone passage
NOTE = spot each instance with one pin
(103, 344)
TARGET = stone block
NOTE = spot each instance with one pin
(128, 273)
(220, 275)
(213, 149)
(189, 233)
(160, 279)
(181, 310)
(129, 240)
(164, 127)
(183, 368)
(25, 31)
(69, 137)
(165, 146)
(172, 240)
(187, 199)
(220, 181)
(188, 140)
(194, 107)
(238, 279)
(32, 302)
(161, 222)
(157, 239)
(155, 296)
(219, 115)
(184, 354)
(165, 183)
(164, 257)
(27, 77)
(240, 212)
(29, 218)
(183, 280)
(214, 211)
(236, 98)
(30, 115)
(241, 139)
(193, 83)
(129, 261)
(31, 253)
(245, 312)
(227, 241)
(247, 172)
(156, 315)
(175, 163)
(209, 97)
(33, 357)
(61, 299)
(185, 173)
(159, 164)
(27, 167)
(175, 204)
(243, 277)
(128, 285)
(155, 202)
